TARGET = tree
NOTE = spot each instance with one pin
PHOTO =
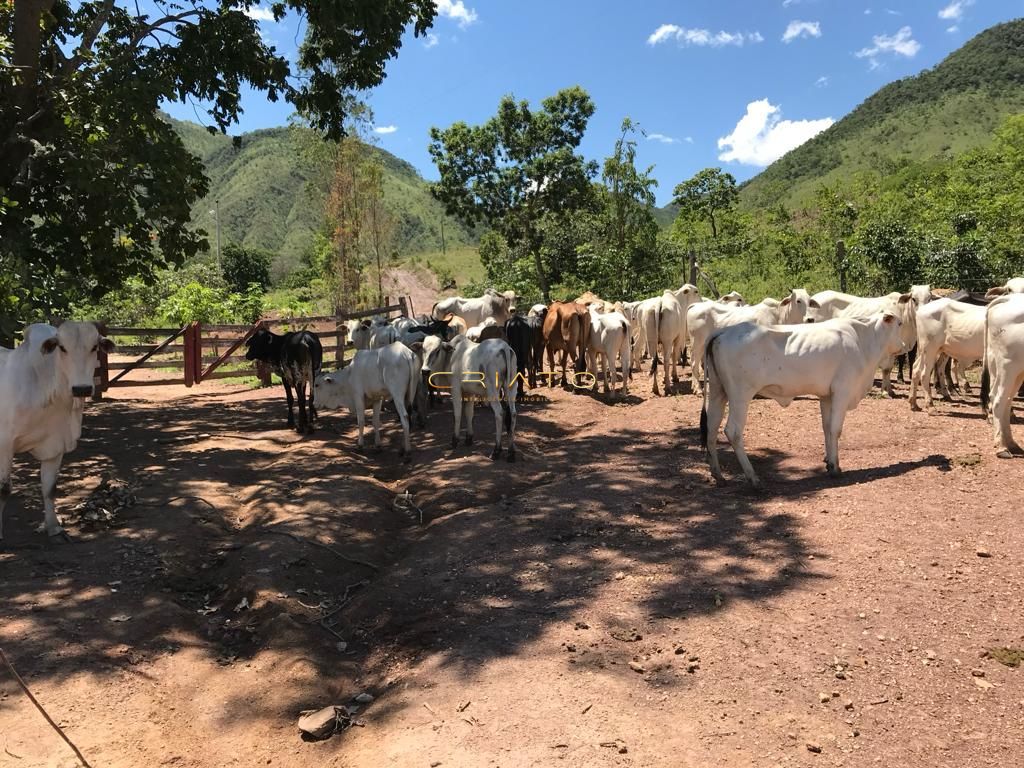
(516, 168)
(94, 185)
(244, 266)
(708, 194)
(380, 224)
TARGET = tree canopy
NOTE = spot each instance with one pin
(94, 185)
(516, 168)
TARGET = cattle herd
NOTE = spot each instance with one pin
(488, 350)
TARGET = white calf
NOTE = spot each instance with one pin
(373, 376)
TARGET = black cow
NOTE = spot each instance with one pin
(520, 337)
(296, 357)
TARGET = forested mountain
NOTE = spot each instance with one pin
(936, 114)
(270, 195)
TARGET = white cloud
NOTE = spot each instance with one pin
(701, 37)
(787, 3)
(457, 11)
(954, 28)
(761, 136)
(801, 29)
(955, 10)
(822, 81)
(688, 139)
(383, 130)
(259, 14)
(431, 40)
(900, 44)
(662, 138)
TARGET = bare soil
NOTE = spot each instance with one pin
(599, 603)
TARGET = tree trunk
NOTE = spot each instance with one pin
(28, 16)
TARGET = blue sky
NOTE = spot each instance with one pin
(713, 82)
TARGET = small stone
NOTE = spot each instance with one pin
(983, 683)
(862, 615)
(930, 655)
(815, 748)
(791, 736)
(694, 657)
(982, 552)
(435, 764)
(341, 646)
(692, 667)
(637, 667)
(570, 648)
(840, 675)
(835, 694)
(619, 576)
(847, 704)
(977, 672)
(824, 698)
(582, 625)
(623, 749)
(680, 650)
(363, 698)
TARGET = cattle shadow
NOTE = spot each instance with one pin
(244, 535)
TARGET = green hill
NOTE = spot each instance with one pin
(269, 196)
(940, 112)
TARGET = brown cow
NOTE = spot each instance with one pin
(567, 330)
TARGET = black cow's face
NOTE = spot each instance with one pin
(258, 346)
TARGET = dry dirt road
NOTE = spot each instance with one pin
(598, 603)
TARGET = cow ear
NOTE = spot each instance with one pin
(417, 347)
(888, 318)
(786, 301)
(448, 345)
(49, 345)
(107, 345)
(904, 298)
(1001, 290)
(813, 304)
(328, 380)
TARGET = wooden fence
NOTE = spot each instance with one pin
(198, 352)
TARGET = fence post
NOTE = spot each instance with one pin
(412, 310)
(101, 377)
(404, 305)
(841, 264)
(693, 267)
(188, 336)
(340, 337)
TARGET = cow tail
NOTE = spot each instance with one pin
(986, 377)
(657, 338)
(709, 372)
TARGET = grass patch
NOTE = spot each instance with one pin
(461, 263)
(1010, 657)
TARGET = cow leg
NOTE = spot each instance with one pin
(887, 377)
(835, 431)
(1003, 387)
(626, 357)
(403, 415)
(510, 427)
(457, 413)
(675, 361)
(961, 375)
(48, 471)
(291, 404)
(496, 406)
(734, 431)
(376, 423)
(6, 458)
(901, 361)
(467, 413)
(666, 350)
(360, 410)
(305, 426)
(714, 413)
(825, 405)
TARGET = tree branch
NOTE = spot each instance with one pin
(156, 26)
(89, 38)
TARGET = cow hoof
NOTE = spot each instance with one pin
(455, 441)
(1004, 454)
(60, 536)
(915, 407)
(495, 454)
(469, 439)
(834, 471)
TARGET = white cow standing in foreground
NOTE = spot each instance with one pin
(609, 339)
(373, 376)
(834, 360)
(1004, 366)
(42, 385)
(470, 372)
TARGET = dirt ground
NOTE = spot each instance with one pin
(599, 603)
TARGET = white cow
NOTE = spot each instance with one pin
(475, 311)
(734, 298)
(945, 327)
(705, 317)
(537, 310)
(471, 372)
(832, 304)
(1013, 285)
(373, 376)
(42, 387)
(834, 360)
(476, 332)
(644, 323)
(1004, 366)
(609, 339)
(371, 334)
(663, 321)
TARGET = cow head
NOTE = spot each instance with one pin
(813, 308)
(733, 298)
(262, 345)
(77, 347)
(436, 354)
(892, 338)
(795, 306)
(921, 295)
(331, 390)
